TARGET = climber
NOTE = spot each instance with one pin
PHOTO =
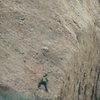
(44, 82)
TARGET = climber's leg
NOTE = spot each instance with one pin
(39, 85)
(45, 84)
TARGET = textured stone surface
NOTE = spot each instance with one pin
(58, 37)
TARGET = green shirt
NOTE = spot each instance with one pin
(45, 79)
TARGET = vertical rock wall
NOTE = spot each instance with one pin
(58, 37)
(83, 74)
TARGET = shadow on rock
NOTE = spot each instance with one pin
(7, 93)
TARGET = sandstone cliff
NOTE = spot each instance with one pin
(58, 37)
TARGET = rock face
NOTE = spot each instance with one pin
(58, 37)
